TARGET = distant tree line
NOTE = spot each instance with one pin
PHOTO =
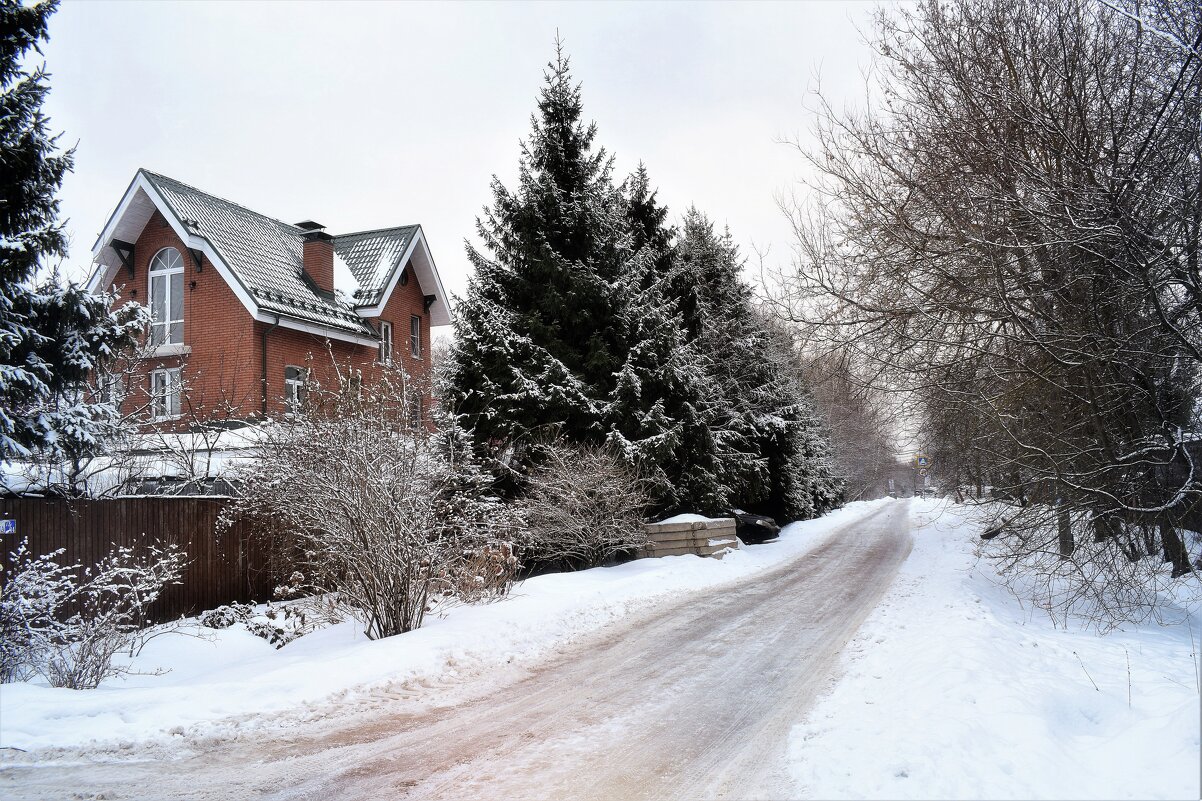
(1010, 233)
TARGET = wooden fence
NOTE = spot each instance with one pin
(222, 568)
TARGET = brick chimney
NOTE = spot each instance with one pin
(319, 256)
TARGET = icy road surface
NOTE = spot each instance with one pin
(694, 700)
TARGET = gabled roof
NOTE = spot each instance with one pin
(262, 257)
(372, 256)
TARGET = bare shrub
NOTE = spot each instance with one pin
(582, 506)
(488, 573)
(66, 623)
(1078, 568)
(369, 507)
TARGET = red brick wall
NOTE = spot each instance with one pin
(318, 256)
(217, 329)
(223, 369)
(407, 301)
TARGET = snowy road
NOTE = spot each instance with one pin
(694, 700)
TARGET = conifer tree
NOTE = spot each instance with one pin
(566, 325)
(51, 337)
(535, 338)
(774, 453)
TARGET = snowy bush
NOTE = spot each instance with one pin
(582, 506)
(365, 508)
(275, 635)
(66, 623)
(488, 573)
(280, 625)
(225, 616)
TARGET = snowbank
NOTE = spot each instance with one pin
(954, 690)
(689, 517)
(232, 682)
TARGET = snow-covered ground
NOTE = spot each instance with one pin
(231, 681)
(955, 690)
(951, 688)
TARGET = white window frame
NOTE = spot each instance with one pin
(415, 336)
(165, 405)
(294, 388)
(385, 342)
(163, 266)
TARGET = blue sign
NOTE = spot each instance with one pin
(8, 526)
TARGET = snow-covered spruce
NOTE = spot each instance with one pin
(585, 317)
(52, 338)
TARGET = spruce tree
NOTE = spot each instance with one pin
(51, 338)
(536, 341)
(774, 453)
(649, 228)
(565, 327)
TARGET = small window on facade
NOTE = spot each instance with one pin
(164, 394)
(415, 336)
(294, 387)
(385, 343)
(167, 298)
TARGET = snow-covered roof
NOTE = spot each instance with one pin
(372, 257)
(263, 256)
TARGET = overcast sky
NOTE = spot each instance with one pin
(367, 115)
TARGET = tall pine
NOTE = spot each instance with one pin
(565, 328)
(51, 338)
(774, 452)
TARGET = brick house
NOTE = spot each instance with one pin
(245, 306)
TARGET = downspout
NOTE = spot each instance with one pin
(267, 331)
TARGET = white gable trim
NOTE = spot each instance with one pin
(427, 279)
(190, 240)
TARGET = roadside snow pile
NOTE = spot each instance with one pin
(689, 517)
(954, 690)
(227, 682)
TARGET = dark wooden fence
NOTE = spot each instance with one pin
(225, 567)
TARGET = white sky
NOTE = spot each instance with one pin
(366, 115)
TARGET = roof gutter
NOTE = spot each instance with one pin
(266, 331)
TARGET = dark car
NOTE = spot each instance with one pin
(754, 529)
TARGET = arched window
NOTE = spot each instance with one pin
(167, 298)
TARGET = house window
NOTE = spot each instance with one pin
(167, 298)
(294, 387)
(385, 343)
(415, 336)
(164, 394)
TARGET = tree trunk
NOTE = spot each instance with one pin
(1174, 549)
(1065, 531)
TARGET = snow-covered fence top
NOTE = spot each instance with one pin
(221, 569)
(685, 534)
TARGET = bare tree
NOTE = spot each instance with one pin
(373, 509)
(1010, 234)
(582, 506)
(860, 424)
